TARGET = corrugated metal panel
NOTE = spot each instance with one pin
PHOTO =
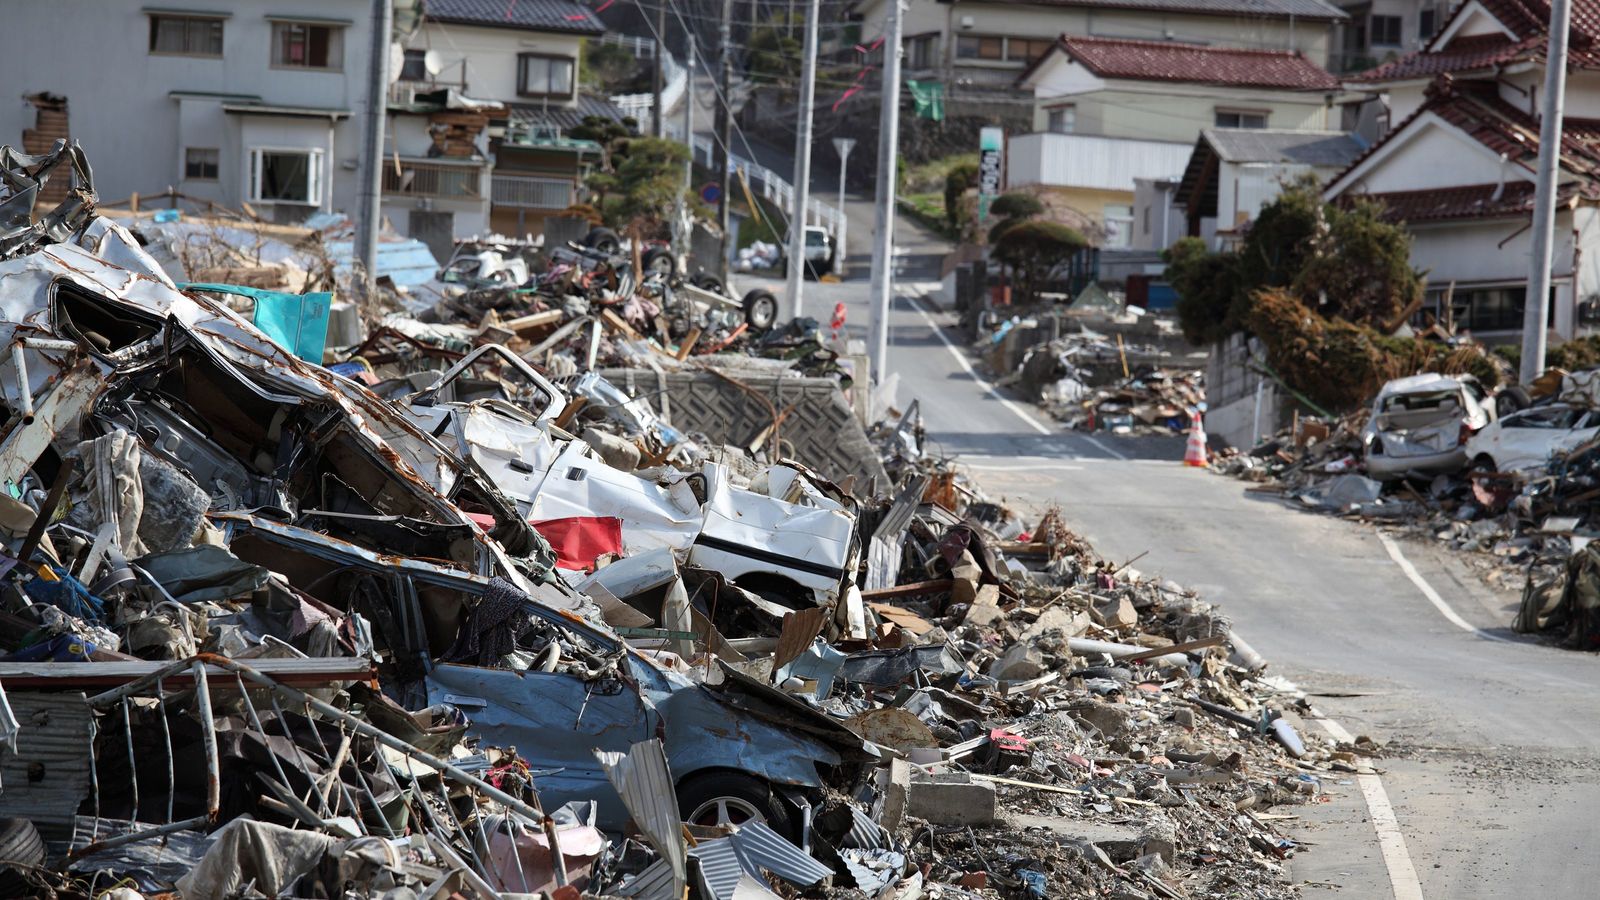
(654, 883)
(54, 742)
(1089, 161)
(642, 778)
(750, 850)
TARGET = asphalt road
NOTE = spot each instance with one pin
(1493, 743)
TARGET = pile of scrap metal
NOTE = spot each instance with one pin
(420, 627)
(1149, 401)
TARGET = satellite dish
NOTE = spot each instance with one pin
(433, 62)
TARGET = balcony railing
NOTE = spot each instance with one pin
(531, 192)
(426, 179)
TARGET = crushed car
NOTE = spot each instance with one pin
(1420, 425)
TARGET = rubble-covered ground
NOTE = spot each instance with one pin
(438, 609)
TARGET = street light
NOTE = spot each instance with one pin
(843, 146)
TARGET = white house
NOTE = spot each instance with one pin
(976, 43)
(1234, 172)
(233, 103)
(1457, 165)
(1380, 31)
(516, 65)
(1108, 112)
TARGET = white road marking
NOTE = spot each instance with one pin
(1433, 596)
(1396, 858)
(961, 360)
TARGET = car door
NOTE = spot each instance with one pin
(555, 721)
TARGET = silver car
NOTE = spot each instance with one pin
(1420, 425)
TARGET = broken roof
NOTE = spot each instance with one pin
(1193, 63)
(528, 15)
(1521, 35)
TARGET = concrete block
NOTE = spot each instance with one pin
(952, 799)
(895, 782)
(1117, 613)
(1020, 662)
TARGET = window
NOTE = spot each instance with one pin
(1062, 119)
(1427, 23)
(415, 68)
(544, 76)
(1026, 49)
(286, 176)
(999, 48)
(1240, 118)
(1145, 215)
(305, 45)
(979, 46)
(186, 35)
(200, 163)
(922, 52)
(1385, 31)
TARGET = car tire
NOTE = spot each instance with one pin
(1483, 462)
(21, 850)
(708, 282)
(658, 261)
(603, 239)
(1512, 399)
(732, 798)
(760, 310)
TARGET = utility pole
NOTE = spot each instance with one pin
(369, 215)
(725, 138)
(842, 146)
(802, 160)
(888, 164)
(1536, 312)
(658, 121)
(681, 224)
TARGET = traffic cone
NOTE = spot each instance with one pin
(1194, 453)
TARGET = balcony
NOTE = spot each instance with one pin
(531, 192)
(434, 179)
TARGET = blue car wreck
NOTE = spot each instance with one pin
(532, 674)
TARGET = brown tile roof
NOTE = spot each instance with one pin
(1196, 64)
(1476, 110)
(1528, 20)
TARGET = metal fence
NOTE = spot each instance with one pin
(433, 180)
(531, 192)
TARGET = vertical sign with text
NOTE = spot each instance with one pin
(991, 143)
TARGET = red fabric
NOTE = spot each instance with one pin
(580, 540)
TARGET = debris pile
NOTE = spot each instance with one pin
(1151, 401)
(423, 620)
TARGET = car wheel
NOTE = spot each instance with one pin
(708, 282)
(1511, 399)
(21, 850)
(731, 798)
(603, 239)
(760, 310)
(658, 261)
(1483, 462)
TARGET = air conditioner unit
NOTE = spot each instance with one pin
(967, 23)
(403, 93)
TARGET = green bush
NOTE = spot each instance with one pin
(1033, 249)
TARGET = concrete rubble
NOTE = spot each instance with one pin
(439, 610)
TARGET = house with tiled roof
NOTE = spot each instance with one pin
(1457, 164)
(1108, 111)
(973, 45)
(482, 107)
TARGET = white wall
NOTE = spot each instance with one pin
(1158, 222)
(1087, 161)
(491, 56)
(1163, 111)
(96, 53)
(1435, 155)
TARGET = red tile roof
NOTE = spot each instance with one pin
(1475, 109)
(1528, 20)
(1193, 63)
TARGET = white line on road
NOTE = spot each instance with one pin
(1433, 596)
(961, 360)
(1396, 858)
